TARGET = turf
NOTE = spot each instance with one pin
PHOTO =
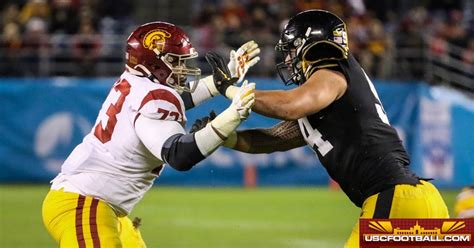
(206, 217)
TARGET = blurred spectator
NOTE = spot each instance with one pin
(232, 9)
(438, 46)
(10, 14)
(453, 30)
(468, 54)
(86, 49)
(410, 42)
(232, 13)
(117, 12)
(302, 5)
(35, 42)
(11, 36)
(369, 43)
(35, 9)
(379, 49)
(11, 45)
(340, 8)
(64, 17)
(208, 34)
(233, 31)
(259, 29)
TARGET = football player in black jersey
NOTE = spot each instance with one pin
(336, 111)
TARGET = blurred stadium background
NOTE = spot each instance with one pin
(58, 59)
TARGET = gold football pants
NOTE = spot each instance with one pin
(401, 201)
(77, 221)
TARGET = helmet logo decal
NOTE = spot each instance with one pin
(297, 42)
(340, 37)
(155, 39)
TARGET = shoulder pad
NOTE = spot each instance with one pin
(312, 68)
(163, 104)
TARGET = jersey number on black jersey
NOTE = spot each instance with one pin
(313, 136)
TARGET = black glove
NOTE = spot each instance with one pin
(220, 72)
(201, 123)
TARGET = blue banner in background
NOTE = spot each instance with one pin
(44, 119)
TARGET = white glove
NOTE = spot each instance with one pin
(240, 108)
(245, 57)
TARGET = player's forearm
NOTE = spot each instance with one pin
(276, 104)
(246, 144)
(282, 137)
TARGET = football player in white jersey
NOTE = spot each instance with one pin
(139, 129)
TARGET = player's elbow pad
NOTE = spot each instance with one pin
(181, 152)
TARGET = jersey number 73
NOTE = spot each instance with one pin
(115, 100)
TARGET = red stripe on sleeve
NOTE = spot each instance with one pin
(79, 232)
(93, 223)
(164, 95)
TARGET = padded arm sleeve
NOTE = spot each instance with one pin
(181, 152)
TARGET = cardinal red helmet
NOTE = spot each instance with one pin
(159, 51)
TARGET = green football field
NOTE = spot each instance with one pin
(206, 217)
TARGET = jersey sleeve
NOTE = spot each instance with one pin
(154, 133)
(162, 104)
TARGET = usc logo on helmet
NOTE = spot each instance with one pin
(155, 39)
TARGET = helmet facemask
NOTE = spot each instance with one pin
(290, 69)
(181, 71)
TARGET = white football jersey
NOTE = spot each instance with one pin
(111, 163)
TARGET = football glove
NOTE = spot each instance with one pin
(241, 60)
(220, 73)
(226, 122)
(201, 123)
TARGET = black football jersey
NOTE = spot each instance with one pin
(354, 141)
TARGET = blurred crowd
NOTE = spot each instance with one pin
(387, 37)
(376, 30)
(63, 30)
